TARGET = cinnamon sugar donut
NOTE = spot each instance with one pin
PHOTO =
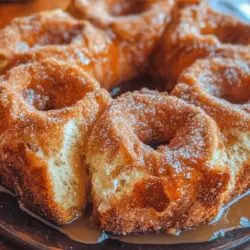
(92, 50)
(46, 111)
(221, 87)
(196, 31)
(121, 14)
(136, 188)
(40, 29)
(110, 54)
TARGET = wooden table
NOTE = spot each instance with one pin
(7, 12)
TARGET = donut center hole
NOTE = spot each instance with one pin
(135, 84)
(155, 144)
(51, 96)
(124, 8)
(230, 83)
(60, 33)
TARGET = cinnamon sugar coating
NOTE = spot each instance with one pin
(220, 86)
(136, 188)
(47, 110)
(92, 50)
(111, 54)
(157, 162)
(40, 29)
(196, 31)
(122, 15)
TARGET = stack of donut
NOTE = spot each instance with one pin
(147, 160)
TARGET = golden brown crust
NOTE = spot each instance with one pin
(91, 49)
(242, 181)
(138, 189)
(33, 185)
(112, 54)
(157, 162)
(125, 17)
(50, 106)
(196, 31)
(220, 86)
(6, 177)
(128, 215)
(40, 29)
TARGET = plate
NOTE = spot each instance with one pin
(27, 231)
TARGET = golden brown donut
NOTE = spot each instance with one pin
(136, 188)
(92, 50)
(196, 31)
(221, 87)
(121, 14)
(46, 111)
(110, 54)
(41, 29)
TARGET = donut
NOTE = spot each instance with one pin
(40, 29)
(156, 164)
(111, 54)
(196, 31)
(47, 110)
(122, 13)
(92, 50)
(220, 86)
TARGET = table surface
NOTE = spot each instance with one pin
(7, 12)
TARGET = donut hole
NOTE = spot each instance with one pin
(56, 30)
(58, 36)
(124, 8)
(135, 84)
(229, 81)
(52, 95)
(155, 144)
(152, 134)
